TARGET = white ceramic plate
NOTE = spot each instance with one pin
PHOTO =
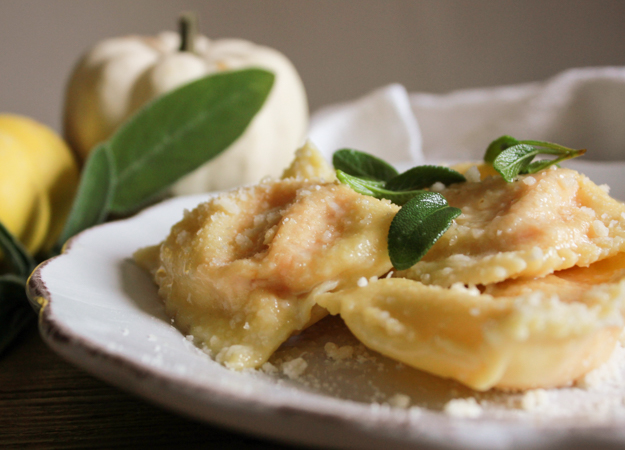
(102, 313)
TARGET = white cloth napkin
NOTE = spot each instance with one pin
(579, 108)
(381, 123)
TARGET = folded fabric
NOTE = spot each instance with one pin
(582, 108)
(579, 108)
(381, 123)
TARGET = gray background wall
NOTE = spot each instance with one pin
(342, 48)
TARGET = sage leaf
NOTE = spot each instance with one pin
(362, 165)
(537, 166)
(180, 131)
(417, 226)
(374, 188)
(16, 255)
(15, 311)
(497, 146)
(550, 147)
(518, 159)
(90, 205)
(421, 177)
(512, 161)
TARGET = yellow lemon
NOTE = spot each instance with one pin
(24, 210)
(38, 180)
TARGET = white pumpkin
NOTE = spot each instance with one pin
(119, 75)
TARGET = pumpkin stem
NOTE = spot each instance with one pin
(188, 28)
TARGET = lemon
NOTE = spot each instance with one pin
(38, 180)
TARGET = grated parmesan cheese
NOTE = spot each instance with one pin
(399, 401)
(534, 399)
(269, 368)
(463, 407)
(437, 187)
(294, 368)
(338, 353)
(600, 229)
(529, 180)
(473, 174)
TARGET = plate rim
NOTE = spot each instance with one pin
(348, 424)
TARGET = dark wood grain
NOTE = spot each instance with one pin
(47, 403)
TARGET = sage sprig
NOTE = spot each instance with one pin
(511, 157)
(423, 217)
(164, 141)
(369, 175)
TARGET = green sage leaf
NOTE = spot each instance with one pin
(518, 159)
(497, 146)
(511, 157)
(537, 166)
(90, 205)
(362, 165)
(417, 226)
(16, 255)
(512, 161)
(549, 147)
(180, 131)
(374, 188)
(421, 177)
(15, 311)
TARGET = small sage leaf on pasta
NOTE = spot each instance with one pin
(374, 188)
(21, 262)
(362, 165)
(15, 311)
(511, 157)
(551, 147)
(421, 177)
(511, 162)
(369, 175)
(90, 205)
(497, 146)
(361, 185)
(537, 166)
(417, 226)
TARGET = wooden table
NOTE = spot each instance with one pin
(47, 403)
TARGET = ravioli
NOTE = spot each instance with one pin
(570, 285)
(518, 335)
(544, 222)
(309, 164)
(240, 272)
(526, 289)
